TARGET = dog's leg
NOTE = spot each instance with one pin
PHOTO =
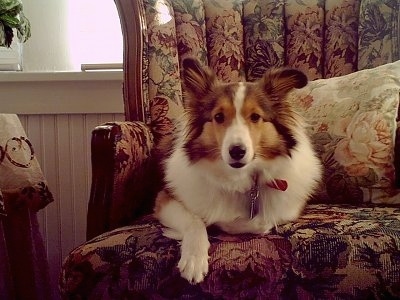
(188, 227)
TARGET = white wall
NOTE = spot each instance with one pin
(47, 49)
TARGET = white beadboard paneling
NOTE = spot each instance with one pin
(50, 168)
(64, 184)
(80, 187)
(62, 146)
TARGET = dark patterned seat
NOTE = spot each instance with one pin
(346, 250)
(333, 251)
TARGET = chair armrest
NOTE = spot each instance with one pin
(122, 188)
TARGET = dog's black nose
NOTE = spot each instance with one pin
(237, 152)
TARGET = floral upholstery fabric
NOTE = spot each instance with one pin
(133, 149)
(305, 37)
(379, 39)
(331, 252)
(225, 38)
(240, 40)
(264, 37)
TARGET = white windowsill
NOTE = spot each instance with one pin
(17, 76)
(94, 92)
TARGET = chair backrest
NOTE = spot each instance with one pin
(240, 39)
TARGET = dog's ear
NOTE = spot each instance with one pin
(198, 80)
(278, 82)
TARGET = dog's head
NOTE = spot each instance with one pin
(238, 122)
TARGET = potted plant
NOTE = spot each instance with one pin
(12, 17)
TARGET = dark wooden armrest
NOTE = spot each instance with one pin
(121, 163)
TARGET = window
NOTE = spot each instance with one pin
(67, 34)
(95, 36)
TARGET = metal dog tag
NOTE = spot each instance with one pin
(254, 195)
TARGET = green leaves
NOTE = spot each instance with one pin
(12, 7)
(24, 28)
(11, 16)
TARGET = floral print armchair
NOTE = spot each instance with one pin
(339, 248)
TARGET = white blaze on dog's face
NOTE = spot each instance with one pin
(238, 122)
(237, 144)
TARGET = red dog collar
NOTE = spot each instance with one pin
(278, 184)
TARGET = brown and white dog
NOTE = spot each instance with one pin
(241, 160)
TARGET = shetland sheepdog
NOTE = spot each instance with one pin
(240, 160)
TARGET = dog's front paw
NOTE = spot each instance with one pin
(193, 264)
(193, 267)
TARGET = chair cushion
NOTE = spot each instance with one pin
(352, 121)
(331, 251)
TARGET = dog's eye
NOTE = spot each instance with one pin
(255, 117)
(219, 118)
